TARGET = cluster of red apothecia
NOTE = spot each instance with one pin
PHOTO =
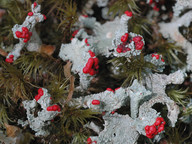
(89, 141)
(40, 93)
(156, 128)
(74, 34)
(123, 47)
(157, 57)
(31, 14)
(50, 108)
(155, 8)
(25, 34)
(54, 108)
(111, 90)
(92, 64)
(86, 42)
(10, 59)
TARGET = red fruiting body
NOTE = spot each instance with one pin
(25, 29)
(44, 17)
(89, 141)
(25, 34)
(34, 4)
(151, 1)
(152, 129)
(18, 34)
(92, 64)
(30, 13)
(146, 128)
(156, 128)
(25, 40)
(155, 8)
(119, 50)
(117, 88)
(122, 48)
(37, 97)
(85, 16)
(137, 39)
(109, 89)
(86, 41)
(92, 72)
(158, 122)
(75, 32)
(11, 56)
(139, 45)
(124, 37)
(92, 54)
(128, 13)
(126, 49)
(54, 108)
(10, 59)
(85, 70)
(155, 55)
(40, 93)
(96, 63)
(160, 128)
(162, 60)
(113, 112)
(95, 102)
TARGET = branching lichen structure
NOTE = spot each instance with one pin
(119, 42)
(43, 119)
(27, 34)
(91, 42)
(171, 30)
(85, 63)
